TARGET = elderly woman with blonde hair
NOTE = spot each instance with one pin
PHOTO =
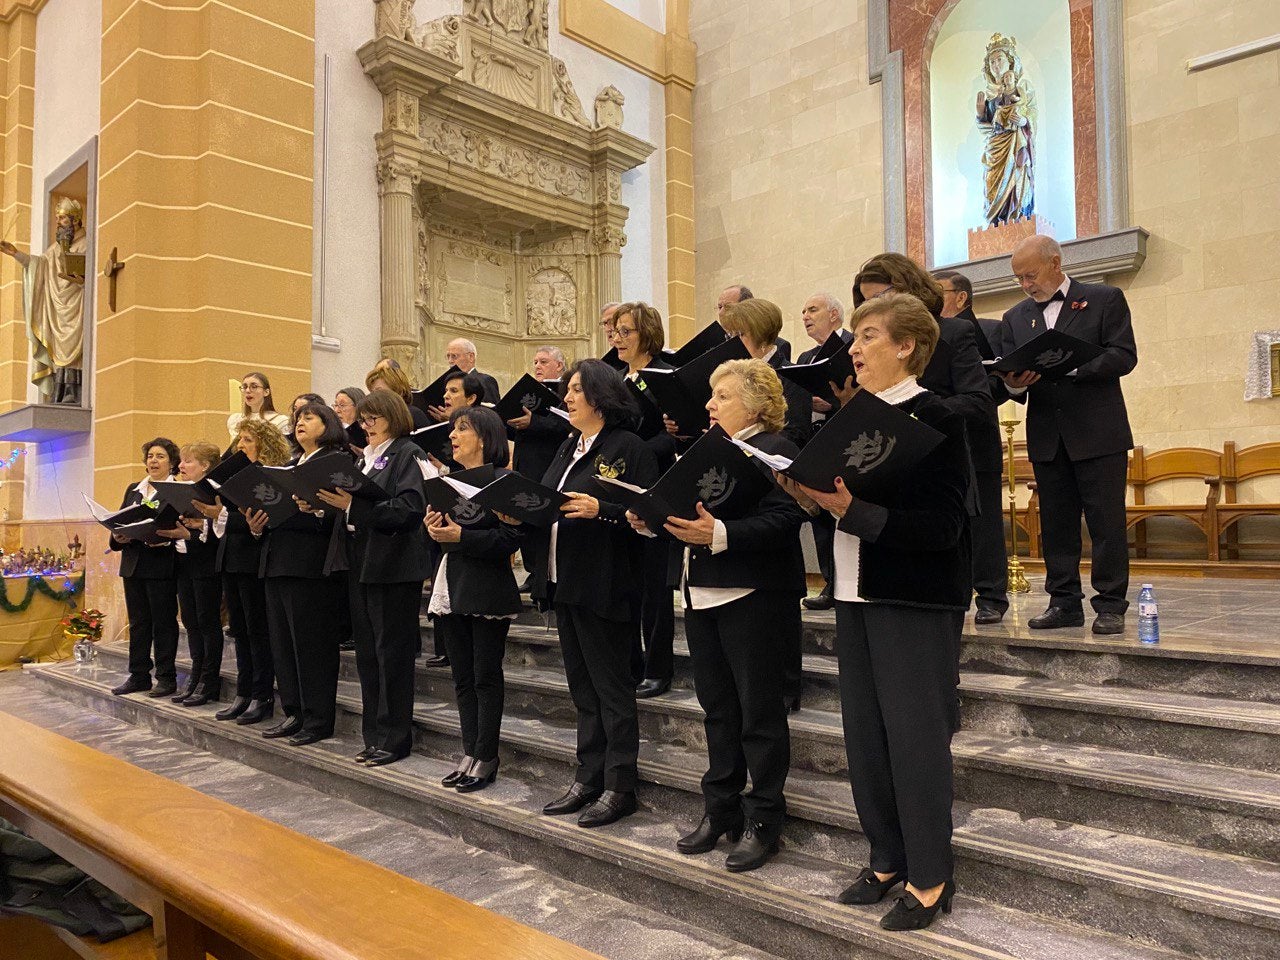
(742, 581)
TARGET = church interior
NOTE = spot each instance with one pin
(269, 201)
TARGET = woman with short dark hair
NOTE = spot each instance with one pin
(150, 585)
(587, 570)
(385, 546)
(474, 599)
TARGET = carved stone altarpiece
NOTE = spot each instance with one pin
(502, 218)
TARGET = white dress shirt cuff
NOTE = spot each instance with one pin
(719, 538)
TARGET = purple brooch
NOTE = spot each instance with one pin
(380, 463)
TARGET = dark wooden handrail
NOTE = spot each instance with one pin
(216, 878)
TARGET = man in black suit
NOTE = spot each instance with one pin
(538, 436)
(822, 315)
(990, 555)
(461, 353)
(738, 292)
(1078, 435)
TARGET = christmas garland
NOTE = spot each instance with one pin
(35, 584)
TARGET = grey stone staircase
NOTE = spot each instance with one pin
(1113, 800)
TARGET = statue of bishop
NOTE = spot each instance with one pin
(53, 301)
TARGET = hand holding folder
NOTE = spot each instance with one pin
(1052, 355)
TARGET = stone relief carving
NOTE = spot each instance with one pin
(609, 103)
(475, 253)
(551, 308)
(393, 18)
(400, 112)
(564, 99)
(396, 175)
(502, 158)
(422, 263)
(610, 239)
(524, 20)
(439, 37)
(505, 77)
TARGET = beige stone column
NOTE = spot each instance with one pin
(609, 244)
(397, 178)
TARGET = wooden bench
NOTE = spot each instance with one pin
(1239, 466)
(1162, 466)
(218, 880)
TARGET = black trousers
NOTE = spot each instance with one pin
(738, 652)
(657, 612)
(386, 647)
(247, 611)
(302, 617)
(596, 663)
(1096, 488)
(898, 702)
(152, 606)
(990, 555)
(824, 540)
(200, 601)
(476, 646)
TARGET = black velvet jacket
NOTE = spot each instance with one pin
(390, 543)
(914, 543)
(479, 574)
(139, 560)
(595, 559)
(764, 546)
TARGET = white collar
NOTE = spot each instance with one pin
(303, 458)
(145, 488)
(373, 453)
(901, 391)
(746, 433)
(769, 356)
(1066, 285)
(584, 443)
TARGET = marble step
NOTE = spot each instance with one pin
(1036, 864)
(1240, 665)
(606, 925)
(1182, 726)
(786, 908)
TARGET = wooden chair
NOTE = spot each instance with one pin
(1176, 463)
(1238, 466)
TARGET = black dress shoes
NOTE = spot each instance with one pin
(305, 737)
(988, 615)
(1109, 623)
(202, 695)
(1055, 617)
(347, 645)
(754, 849)
(479, 777)
(132, 685)
(527, 586)
(908, 913)
(183, 694)
(575, 798)
(464, 767)
(823, 601)
(380, 758)
(365, 754)
(285, 728)
(869, 888)
(612, 806)
(652, 688)
(257, 711)
(238, 706)
(793, 704)
(706, 835)
(163, 688)
(438, 661)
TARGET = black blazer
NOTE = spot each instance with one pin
(595, 562)
(390, 542)
(764, 546)
(137, 559)
(961, 382)
(479, 569)
(914, 548)
(799, 424)
(299, 547)
(1085, 412)
(201, 559)
(420, 417)
(663, 444)
(491, 392)
(536, 445)
(986, 333)
(239, 551)
(809, 356)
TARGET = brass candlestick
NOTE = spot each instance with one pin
(1017, 576)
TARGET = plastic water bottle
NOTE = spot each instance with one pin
(1148, 616)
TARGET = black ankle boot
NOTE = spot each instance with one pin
(256, 711)
(706, 834)
(238, 706)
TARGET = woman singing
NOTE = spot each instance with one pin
(474, 600)
(902, 585)
(586, 570)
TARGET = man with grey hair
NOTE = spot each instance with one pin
(461, 353)
(1078, 435)
(537, 436)
(822, 315)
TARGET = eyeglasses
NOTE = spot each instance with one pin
(623, 333)
(369, 421)
(245, 387)
(883, 293)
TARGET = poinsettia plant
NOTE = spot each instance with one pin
(86, 623)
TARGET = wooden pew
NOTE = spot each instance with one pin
(219, 880)
(1239, 466)
(1162, 466)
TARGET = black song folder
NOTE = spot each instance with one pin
(650, 422)
(683, 394)
(527, 393)
(432, 395)
(1051, 354)
(706, 339)
(832, 366)
(872, 445)
(522, 499)
(443, 496)
(434, 440)
(254, 488)
(178, 494)
(713, 472)
(138, 522)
